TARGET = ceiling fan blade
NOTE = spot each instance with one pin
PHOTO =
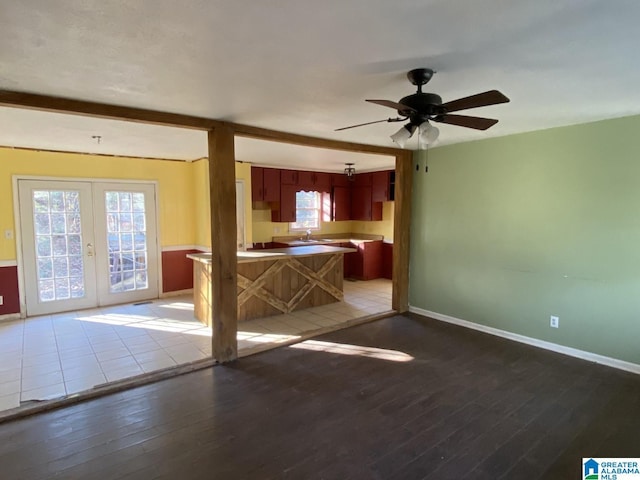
(478, 123)
(371, 123)
(492, 97)
(395, 105)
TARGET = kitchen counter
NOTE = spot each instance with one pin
(325, 241)
(306, 250)
(336, 239)
(275, 281)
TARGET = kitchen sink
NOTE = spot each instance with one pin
(315, 240)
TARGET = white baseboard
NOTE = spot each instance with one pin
(9, 317)
(554, 347)
(177, 293)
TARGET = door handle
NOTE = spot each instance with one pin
(90, 250)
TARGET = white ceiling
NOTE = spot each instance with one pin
(306, 67)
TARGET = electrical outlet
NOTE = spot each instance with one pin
(554, 321)
(1, 300)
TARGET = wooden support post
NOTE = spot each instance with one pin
(401, 231)
(224, 294)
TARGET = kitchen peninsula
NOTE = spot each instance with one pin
(275, 281)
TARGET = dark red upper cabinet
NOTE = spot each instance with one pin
(314, 181)
(362, 179)
(271, 185)
(357, 199)
(289, 177)
(305, 180)
(265, 184)
(340, 180)
(380, 186)
(341, 204)
(362, 206)
(322, 181)
(360, 202)
(287, 210)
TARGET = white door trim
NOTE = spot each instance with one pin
(22, 295)
(240, 188)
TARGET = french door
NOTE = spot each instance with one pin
(86, 244)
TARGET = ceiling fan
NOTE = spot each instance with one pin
(421, 107)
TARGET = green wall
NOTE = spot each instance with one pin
(506, 232)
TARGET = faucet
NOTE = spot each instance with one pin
(308, 234)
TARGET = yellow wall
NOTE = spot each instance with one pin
(202, 232)
(175, 187)
(201, 194)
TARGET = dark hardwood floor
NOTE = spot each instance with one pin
(467, 405)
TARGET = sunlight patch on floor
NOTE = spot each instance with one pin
(265, 337)
(178, 306)
(147, 323)
(346, 349)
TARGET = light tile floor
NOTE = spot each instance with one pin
(53, 356)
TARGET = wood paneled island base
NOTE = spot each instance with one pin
(273, 282)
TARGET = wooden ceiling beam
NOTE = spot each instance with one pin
(307, 141)
(102, 110)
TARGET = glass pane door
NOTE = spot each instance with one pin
(57, 245)
(126, 232)
(59, 249)
(127, 241)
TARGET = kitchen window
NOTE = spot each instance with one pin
(308, 211)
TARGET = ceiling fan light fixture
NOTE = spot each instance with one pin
(350, 171)
(401, 136)
(428, 134)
